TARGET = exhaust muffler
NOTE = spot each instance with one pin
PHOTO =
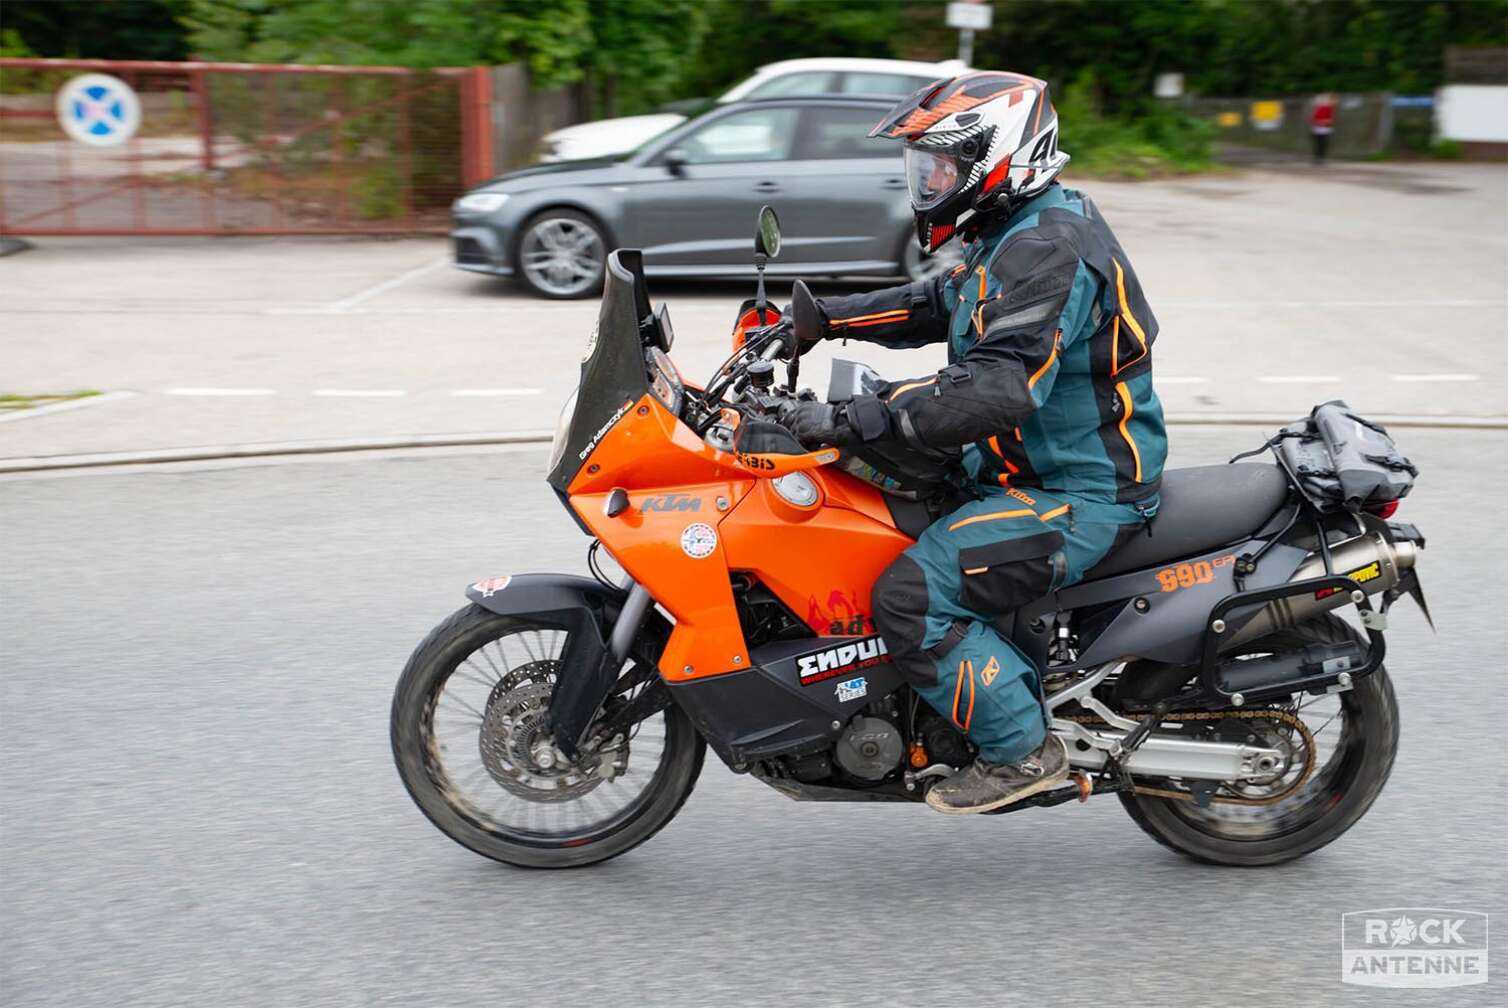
(1371, 560)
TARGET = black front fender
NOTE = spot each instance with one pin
(586, 610)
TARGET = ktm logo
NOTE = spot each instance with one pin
(671, 502)
(1023, 498)
(991, 670)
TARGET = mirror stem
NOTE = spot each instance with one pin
(759, 299)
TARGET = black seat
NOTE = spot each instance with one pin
(1202, 508)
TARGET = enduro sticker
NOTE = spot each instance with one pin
(492, 586)
(853, 689)
(819, 666)
(699, 540)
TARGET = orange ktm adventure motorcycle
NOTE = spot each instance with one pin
(1201, 672)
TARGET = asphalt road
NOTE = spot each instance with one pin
(1274, 289)
(197, 804)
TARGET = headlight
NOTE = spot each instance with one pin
(481, 202)
(664, 380)
(562, 428)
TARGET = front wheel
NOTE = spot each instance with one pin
(1354, 736)
(470, 737)
(562, 254)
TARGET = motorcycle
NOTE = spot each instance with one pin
(1200, 673)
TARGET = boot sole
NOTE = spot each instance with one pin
(1038, 787)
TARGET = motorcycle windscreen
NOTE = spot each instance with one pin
(613, 373)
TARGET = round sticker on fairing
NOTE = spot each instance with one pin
(699, 540)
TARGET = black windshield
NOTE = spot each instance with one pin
(613, 377)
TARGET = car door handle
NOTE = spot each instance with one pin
(894, 183)
(767, 187)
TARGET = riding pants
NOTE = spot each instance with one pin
(934, 604)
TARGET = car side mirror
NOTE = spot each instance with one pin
(675, 161)
(767, 237)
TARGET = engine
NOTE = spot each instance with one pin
(870, 748)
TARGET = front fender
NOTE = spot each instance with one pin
(586, 610)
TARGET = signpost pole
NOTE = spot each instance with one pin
(969, 16)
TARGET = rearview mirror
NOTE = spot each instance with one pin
(767, 238)
(675, 161)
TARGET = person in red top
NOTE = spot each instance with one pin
(1321, 124)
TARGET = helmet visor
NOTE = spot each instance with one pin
(932, 176)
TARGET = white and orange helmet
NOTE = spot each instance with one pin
(979, 142)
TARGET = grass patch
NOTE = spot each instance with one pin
(12, 402)
(1157, 140)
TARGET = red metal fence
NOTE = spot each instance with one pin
(246, 148)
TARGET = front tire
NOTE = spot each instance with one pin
(546, 824)
(1330, 803)
(562, 254)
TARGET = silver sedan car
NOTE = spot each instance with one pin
(686, 199)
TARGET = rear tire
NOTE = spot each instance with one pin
(420, 760)
(1364, 762)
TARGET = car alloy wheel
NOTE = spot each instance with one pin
(562, 255)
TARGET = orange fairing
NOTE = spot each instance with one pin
(820, 561)
(752, 319)
(695, 514)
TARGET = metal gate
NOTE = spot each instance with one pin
(242, 148)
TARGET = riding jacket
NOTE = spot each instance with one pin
(1049, 356)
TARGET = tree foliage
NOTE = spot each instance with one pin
(1240, 47)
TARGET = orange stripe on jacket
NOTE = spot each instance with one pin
(909, 386)
(1057, 340)
(1125, 395)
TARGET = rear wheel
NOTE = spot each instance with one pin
(471, 740)
(1353, 736)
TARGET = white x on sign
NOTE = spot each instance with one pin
(98, 110)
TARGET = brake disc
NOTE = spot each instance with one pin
(519, 752)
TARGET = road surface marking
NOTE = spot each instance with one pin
(1296, 379)
(1178, 380)
(1435, 377)
(497, 391)
(356, 393)
(346, 304)
(219, 391)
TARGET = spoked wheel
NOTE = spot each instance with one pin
(471, 739)
(1337, 751)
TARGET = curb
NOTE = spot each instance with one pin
(207, 453)
(45, 463)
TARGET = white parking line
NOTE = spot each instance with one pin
(346, 304)
(219, 391)
(369, 393)
(1298, 379)
(497, 391)
(1435, 377)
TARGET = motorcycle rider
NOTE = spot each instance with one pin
(1049, 380)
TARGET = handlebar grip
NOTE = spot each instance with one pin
(773, 350)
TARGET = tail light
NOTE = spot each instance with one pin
(1385, 510)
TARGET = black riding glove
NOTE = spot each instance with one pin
(818, 423)
(815, 423)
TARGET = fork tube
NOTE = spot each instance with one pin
(629, 619)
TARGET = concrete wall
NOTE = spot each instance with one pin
(521, 115)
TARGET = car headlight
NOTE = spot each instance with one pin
(562, 429)
(481, 202)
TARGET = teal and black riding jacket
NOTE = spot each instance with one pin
(1049, 356)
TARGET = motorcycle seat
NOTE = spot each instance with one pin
(1202, 508)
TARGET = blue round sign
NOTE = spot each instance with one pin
(98, 110)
